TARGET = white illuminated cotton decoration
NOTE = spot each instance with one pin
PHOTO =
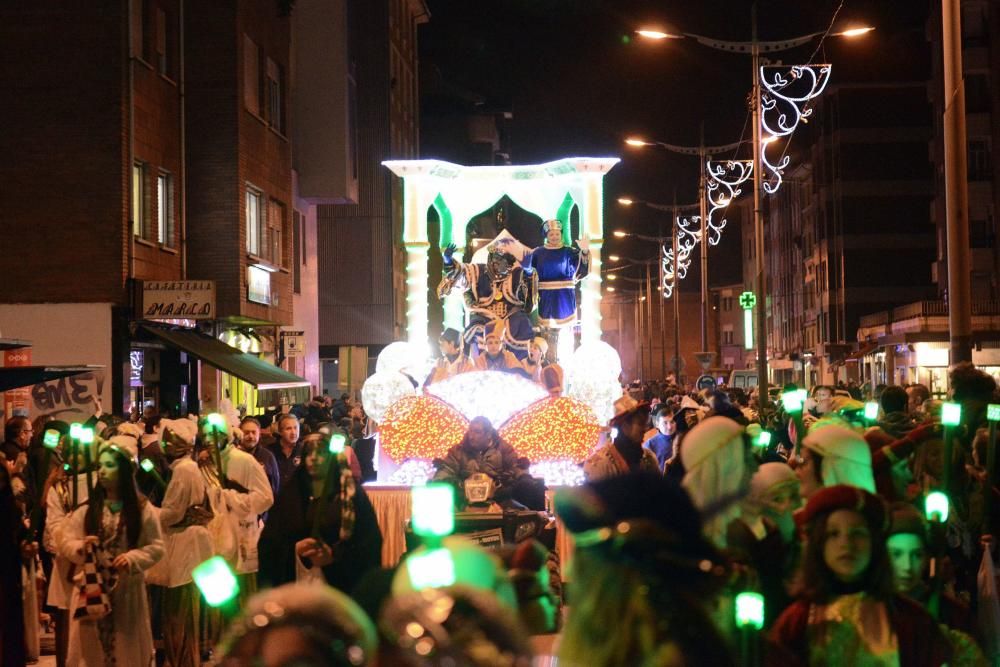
(382, 390)
(404, 357)
(491, 394)
(593, 377)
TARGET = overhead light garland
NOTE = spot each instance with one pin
(783, 99)
(722, 187)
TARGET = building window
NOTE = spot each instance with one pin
(138, 12)
(165, 209)
(140, 222)
(255, 220)
(164, 46)
(276, 233)
(727, 304)
(727, 337)
(981, 232)
(274, 96)
(980, 164)
(251, 76)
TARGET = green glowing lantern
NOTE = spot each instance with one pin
(431, 569)
(216, 581)
(750, 610)
(51, 438)
(147, 465)
(216, 421)
(764, 439)
(871, 411)
(337, 443)
(792, 401)
(951, 414)
(86, 435)
(993, 412)
(936, 506)
(433, 510)
(74, 430)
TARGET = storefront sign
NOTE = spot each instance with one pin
(17, 399)
(258, 285)
(294, 343)
(178, 299)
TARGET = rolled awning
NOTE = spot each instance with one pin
(273, 384)
(13, 377)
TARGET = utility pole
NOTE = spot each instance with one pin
(758, 221)
(956, 186)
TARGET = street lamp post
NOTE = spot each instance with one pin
(785, 125)
(758, 219)
(703, 153)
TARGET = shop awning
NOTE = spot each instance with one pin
(273, 384)
(13, 377)
(865, 349)
(13, 343)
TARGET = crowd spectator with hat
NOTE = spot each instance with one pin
(625, 452)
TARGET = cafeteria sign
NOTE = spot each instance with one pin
(177, 299)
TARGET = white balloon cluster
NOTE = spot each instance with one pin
(592, 377)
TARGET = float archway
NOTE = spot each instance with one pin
(458, 192)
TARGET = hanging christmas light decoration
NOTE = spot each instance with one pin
(721, 187)
(420, 427)
(785, 92)
(553, 428)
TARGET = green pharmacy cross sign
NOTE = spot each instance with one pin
(747, 301)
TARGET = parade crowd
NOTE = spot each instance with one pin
(714, 528)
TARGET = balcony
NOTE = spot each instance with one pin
(925, 317)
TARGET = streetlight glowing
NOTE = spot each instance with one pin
(612, 277)
(656, 34)
(610, 288)
(635, 141)
(614, 258)
(768, 139)
(620, 234)
(625, 201)
(855, 32)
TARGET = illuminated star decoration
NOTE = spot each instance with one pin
(722, 187)
(783, 99)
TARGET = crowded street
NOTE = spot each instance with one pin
(520, 333)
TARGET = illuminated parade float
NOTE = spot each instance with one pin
(513, 292)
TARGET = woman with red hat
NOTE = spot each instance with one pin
(846, 611)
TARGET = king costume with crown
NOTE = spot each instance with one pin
(498, 290)
(558, 268)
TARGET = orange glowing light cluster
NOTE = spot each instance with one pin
(420, 427)
(553, 428)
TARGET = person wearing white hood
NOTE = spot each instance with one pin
(247, 495)
(184, 515)
(718, 465)
(831, 455)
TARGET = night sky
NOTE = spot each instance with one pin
(578, 81)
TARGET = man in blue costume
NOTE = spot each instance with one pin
(497, 290)
(558, 268)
